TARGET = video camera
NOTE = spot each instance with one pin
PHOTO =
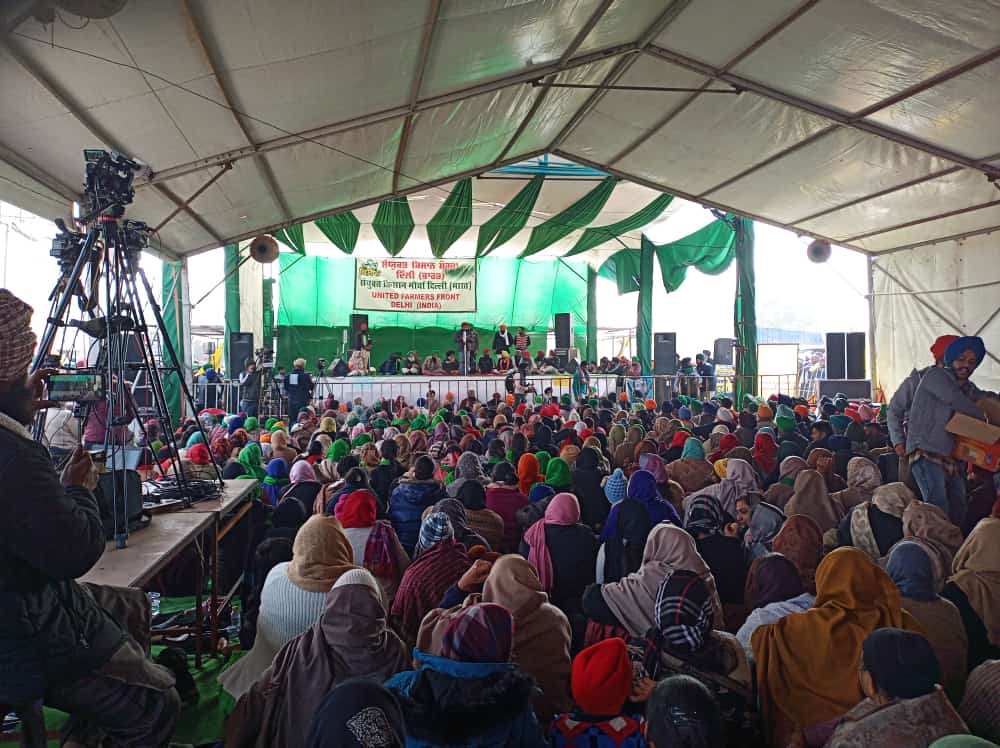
(107, 182)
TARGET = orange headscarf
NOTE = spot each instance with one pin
(807, 663)
(528, 472)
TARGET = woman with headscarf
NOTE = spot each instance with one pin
(801, 542)
(564, 552)
(642, 488)
(280, 448)
(293, 597)
(528, 473)
(727, 443)
(692, 470)
(876, 525)
(863, 477)
(349, 640)
(810, 693)
(974, 588)
(821, 460)
(375, 544)
(616, 437)
(723, 554)
(414, 492)
(222, 450)
(779, 492)
(979, 707)
(740, 481)
(303, 483)
(587, 478)
(810, 498)
(544, 458)
(621, 551)
(929, 524)
(675, 448)
(773, 590)
(504, 497)
(629, 602)
(470, 688)
(426, 580)
(468, 468)
(462, 530)
(487, 523)
(765, 523)
(276, 481)
(911, 568)
(355, 711)
(558, 475)
(765, 456)
(249, 463)
(542, 633)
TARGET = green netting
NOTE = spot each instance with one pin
(172, 321)
(510, 219)
(342, 230)
(598, 235)
(318, 293)
(393, 224)
(576, 216)
(622, 268)
(745, 310)
(709, 249)
(268, 322)
(452, 219)
(292, 238)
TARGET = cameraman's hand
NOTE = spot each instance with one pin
(80, 470)
(36, 384)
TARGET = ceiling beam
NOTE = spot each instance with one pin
(368, 201)
(433, 11)
(214, 60)
(940, 240)
(215, 177)
(927, 219)
(840, 118)
(37, 173)
(673, 9)
(385, 115)
(90, 124)
(754, 46)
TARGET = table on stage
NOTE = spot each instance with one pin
(150, 550)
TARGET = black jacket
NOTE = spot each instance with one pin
(299, 393)
(573, 551)
(51, 629)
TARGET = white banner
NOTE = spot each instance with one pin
(397, 284)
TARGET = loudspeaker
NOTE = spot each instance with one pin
(664, 353)
(855, 389)
(723, 352)
(564, 330)
(356, 320)
(836, 355)
(240, 351)
(856, 355)
(119, 500)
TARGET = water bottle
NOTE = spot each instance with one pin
(234, 620)
(154, 603)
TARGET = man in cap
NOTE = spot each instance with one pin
(57, 645)
(942, 392)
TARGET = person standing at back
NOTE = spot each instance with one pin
(299, 385)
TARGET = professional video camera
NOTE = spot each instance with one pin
(107, 182)
(265, 358)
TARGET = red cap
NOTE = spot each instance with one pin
(602, 677)
(937, 350)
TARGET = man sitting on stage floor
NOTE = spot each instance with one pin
(57, 645)
(411, 364)
(433, 365)
(450, 365)
(485, 364)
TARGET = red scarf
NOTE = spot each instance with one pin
(357, 509)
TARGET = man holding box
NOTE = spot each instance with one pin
(942, 392)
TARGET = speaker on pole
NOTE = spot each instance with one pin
(564, 330)
(240, 351)
(836, 355)
(664, 353)
(856, 355)
(723, 351)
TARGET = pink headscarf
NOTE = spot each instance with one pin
(358, 430)
(302, 472)
(564, 509)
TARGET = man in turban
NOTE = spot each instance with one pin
(57, 644)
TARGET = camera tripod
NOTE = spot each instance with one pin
(111, 249)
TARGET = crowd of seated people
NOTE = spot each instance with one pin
(603, 572)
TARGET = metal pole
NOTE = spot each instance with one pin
(872, 324)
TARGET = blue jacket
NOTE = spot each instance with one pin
(448, 703)
(407, 503)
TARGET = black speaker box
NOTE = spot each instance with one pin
(664, 353)
(855, 389)
(836, 355)
(855, 355)
(564, 330)
(723, 351)
(240, 351)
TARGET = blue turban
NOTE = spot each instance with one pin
(967, 343)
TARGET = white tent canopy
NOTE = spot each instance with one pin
(868, 122)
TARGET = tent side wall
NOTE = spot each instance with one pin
(936, 289)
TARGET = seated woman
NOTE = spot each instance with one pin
(375, 544)
(800, 541)
(411, 364)
(303, 483)
(810, 497)
(293, 597)
(773, 590)
(275, 482)
(810, 693)
(357, 714)
(903, 704)
(470, 694)
(863, 477)
(504, 497)
(587, 479)
(457, 515)
(450, 363)
(482, 520)
(682, 641)
(349, 640)
(780, 492)
(691, 469)
(621, 551)
(974, 588)
(680, 711)
(875, 526)
(723, 554)
(280, 448)
(763, 525)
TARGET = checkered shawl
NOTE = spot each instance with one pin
(683, 614)
(17, 341)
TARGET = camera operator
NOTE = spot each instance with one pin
(57, 644)
(249, 388)
(299, 385)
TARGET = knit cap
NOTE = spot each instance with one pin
(602, 677)
(17, 341)
(615, 486)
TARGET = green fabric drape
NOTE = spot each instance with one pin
(452, 219)
(622, 268)
(709, 249)
(172, 321)
(597, 235)
(644, 311)
(230, 269)
(576, 216)
(393, 224)
(341, 229)
(292, 238)
(510, 219)
(591, 354)
(745, 310)
(268, 322)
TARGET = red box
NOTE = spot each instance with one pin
(986, 456)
